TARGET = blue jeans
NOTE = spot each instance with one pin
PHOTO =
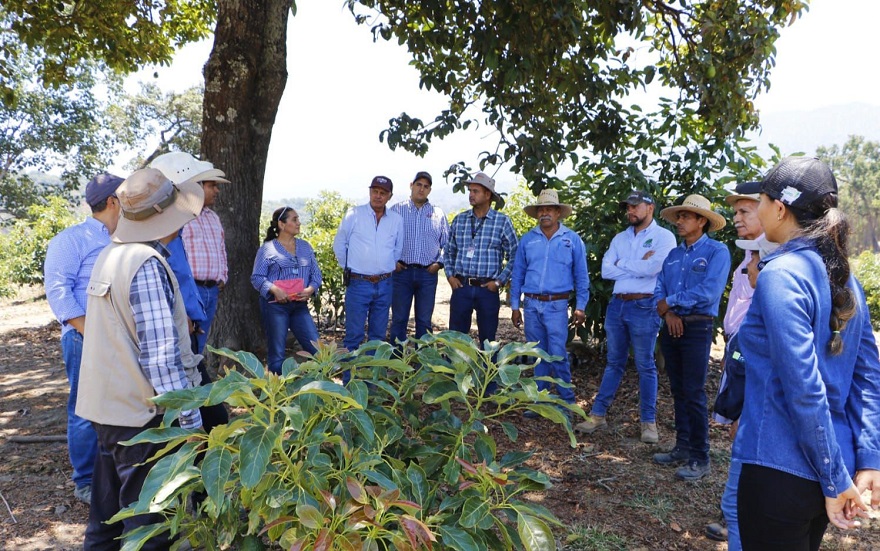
(278, 319)
(412, 283)
(630, 323)
(367, 304)
(209, 297)
(82, 442)
(687, 361)
(462, 304)
(728, 506)
(547, 324)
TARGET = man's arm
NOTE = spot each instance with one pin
(60, 272)
(710, 288)
(649, 264)
(509, 244)
(340, 241)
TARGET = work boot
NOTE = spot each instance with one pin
(676, 456)
(716, 531)
(84, 494)
(649, 433)
(591, 425)
(693, 471)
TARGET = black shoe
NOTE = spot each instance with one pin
(676, 456)
(716, 531)
(693, 471)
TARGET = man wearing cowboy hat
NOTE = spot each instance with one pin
(633, 262)
(136, 346)
(203, 239)
(550, 265)
(480, 240)
(688, 292)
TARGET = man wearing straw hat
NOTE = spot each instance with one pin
(136, 346)
(550, 265)
(688, 293)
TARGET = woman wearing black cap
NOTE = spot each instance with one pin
(810, 426)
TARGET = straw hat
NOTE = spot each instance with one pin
(698, 205)
(548, 198)
(154, 207)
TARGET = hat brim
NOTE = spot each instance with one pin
(732, 199)
(499, 201)
(564, 210)
(211, 175)
(716, 221)
(187, 206)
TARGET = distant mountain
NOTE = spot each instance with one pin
(804, 131)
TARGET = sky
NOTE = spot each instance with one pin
(343, 88)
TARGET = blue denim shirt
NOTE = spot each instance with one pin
(806, 412)
(550, 266)
(693, 277)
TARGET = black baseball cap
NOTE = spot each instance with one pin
(422, 175)
(800, 182)
(635, 197)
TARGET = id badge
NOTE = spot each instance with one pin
(470, 252)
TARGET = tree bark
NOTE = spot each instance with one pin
(245, 78)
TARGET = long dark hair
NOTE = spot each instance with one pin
(830, 234)
(280, 215)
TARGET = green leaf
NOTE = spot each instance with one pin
(440, 392)
(257, 445)
(309, 516)
(135, 539)
(510, 374)
(535, 534)
(475, 509)
(514, 458)
(418, 483)
(157, 436)
(381, 480)
(456, 538)
(216, 468)
(222, 388)
(510, 430)
(364, 424)
(328, 389)
(189, 398)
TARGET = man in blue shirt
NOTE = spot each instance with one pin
(480, 240)
(426, 231)
(550, 264)
(633, 262)
(69, 260)
(368, 244)
(688, 292)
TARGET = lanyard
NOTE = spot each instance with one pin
(475, 228)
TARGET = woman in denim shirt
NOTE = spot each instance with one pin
(284, 258)
(809, 436)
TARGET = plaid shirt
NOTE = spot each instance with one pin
(425, 232)
(152, 303)
(205, 244)
(487, 241)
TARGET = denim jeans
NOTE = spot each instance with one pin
(367, 304)
(728, 506)
(209, 296)
(412, 283)
(278, 319)
(82, 442)
(547, 324)
(687, 361)
(120, 472)
(462, 304)
(630, 323)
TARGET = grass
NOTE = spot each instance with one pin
(593, 538)
(658, 507)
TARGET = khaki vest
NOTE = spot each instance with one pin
(113, 389)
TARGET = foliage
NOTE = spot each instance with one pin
(325, 214)
(867, 270)
(401, 458)
(23, 248)
(521, 197)
(59, 129)
(856, 165)
(554, 79)
(175, 118)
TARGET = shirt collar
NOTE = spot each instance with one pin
(697, 244)
(632, 229)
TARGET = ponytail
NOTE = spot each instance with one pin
(279, 215)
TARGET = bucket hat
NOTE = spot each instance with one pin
(698, 205)
(154, 207)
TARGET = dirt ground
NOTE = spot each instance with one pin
(606, 491)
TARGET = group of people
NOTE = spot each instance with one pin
(135, 288)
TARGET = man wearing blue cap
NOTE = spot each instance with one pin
(69, 261)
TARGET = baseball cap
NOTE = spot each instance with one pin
(382, 182)
(101, 187)
(637, 196)
(800, 182)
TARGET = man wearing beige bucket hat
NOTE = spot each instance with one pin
(550, 265)
(136, 346)
(688, 293)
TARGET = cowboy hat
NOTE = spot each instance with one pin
(153, 207)
(744, 190)
(698, 205)
(180, 167)
(488, 183)
(548, 198)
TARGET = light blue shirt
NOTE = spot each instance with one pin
(693, 277)
(624, 263)
(550, 266)
(70, 258)
(368, 247)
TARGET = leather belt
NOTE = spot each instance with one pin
(422, 266)
(632, 296)
(371, 278)
(207, 283)
(690, 318)
(473, 281)
(549, 297)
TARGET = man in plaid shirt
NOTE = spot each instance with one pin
(480, 241)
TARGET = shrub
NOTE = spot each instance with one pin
(401, 458)
(867, 271)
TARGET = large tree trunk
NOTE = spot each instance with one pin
(244, 80)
